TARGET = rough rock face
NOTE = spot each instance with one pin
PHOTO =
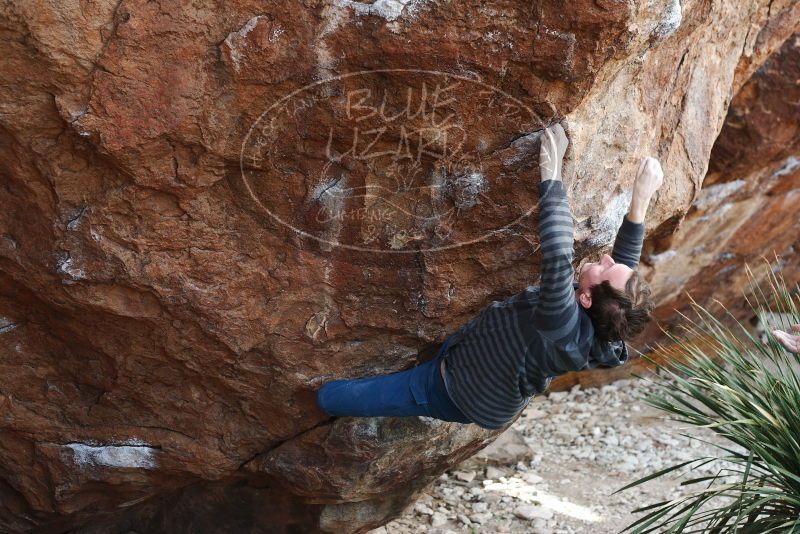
(747, 210)
(211, 210)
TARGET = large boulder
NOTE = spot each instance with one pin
(210, 210)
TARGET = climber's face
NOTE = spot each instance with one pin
(592, 274)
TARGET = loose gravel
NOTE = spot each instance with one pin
(554, 471)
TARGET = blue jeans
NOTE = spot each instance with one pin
(416, 391)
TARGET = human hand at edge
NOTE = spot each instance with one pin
(554, 143)
(649, 179)
(790, 342)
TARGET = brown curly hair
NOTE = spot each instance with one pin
(620, 315)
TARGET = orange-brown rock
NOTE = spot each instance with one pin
(210, 210)
(747, 211)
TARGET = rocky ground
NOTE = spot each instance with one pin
(555, 469)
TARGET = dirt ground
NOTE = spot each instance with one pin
(554, 471)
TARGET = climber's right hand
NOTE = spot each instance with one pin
(649, 179)
(790, 342)
(554, 144)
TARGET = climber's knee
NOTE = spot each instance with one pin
(320, 401)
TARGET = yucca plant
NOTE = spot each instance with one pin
(747, 391)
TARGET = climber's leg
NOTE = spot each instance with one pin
(418, 391)
(396, 394)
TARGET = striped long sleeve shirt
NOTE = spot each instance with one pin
(512, 349)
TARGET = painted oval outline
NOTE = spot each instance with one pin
(356, 247)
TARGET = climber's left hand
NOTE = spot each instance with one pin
(554, 144)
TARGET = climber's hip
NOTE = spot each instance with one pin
(416, 391)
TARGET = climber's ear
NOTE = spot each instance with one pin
(585, 299)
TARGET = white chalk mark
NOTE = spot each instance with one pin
(466, 189)
(605, 230)
(67, 266)
(276, 33)
(670, 22)
(135, 455)
(241, 37)
(789, 165)
(388, 9)
(75, 220)
(6, 325)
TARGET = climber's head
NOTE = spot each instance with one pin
(617, 274)
(615, 297)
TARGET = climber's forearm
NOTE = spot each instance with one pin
(638, 209)
(557, 306)
(628, 244)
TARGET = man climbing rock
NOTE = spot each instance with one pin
(487, 371)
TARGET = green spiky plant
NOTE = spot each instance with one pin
(748, 393)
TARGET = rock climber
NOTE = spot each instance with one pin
(487, 371)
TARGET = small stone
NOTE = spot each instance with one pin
(529, 512)
(629, 465)
(481, 517)
(452, 499)
(480, 507)
(438, 519)
(509, 448)
(493, 472)
(465, 476)
(422, 508)
(541, 525)
(532, 478)
(464, 519)
(610, 440)
(491, 498)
